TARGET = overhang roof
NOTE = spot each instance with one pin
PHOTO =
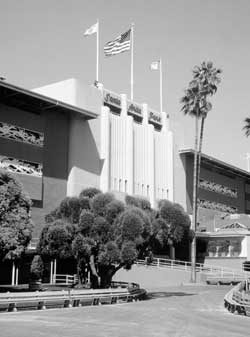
(216, 163)
(21, 98)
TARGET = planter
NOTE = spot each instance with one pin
(35, 285)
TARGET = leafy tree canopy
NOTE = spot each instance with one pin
(104, 234)
(15, 220)
(204, 84)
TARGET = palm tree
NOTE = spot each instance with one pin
(246, 127)
(195, 103)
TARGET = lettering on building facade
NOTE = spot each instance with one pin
(111, 99)
(154, 117)
(134, 109)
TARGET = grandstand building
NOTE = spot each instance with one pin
(64, 137)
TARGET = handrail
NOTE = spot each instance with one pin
(121, 293)
(64, 278)
(186, 265)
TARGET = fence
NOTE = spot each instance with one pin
(64, 279)
(211, 271)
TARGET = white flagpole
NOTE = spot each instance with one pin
(160, 85)
(132, 63)
(97, 51)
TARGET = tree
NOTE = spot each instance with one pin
(107, 236)
(246, 127)
(15, 219)
(36, 268)
(195, 103)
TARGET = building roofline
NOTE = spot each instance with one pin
(219, 163)
(28, 93)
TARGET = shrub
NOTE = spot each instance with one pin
(130, 226)
(132, 201)
(113, 210)
(15, 218)
(128, 254)
(53, 215)
(36, 268)
(89, 192)
(147, 228)
(212, 246)
(139, 202)
(109, 254)
(161, 231)
(82, 246)
(176, 218)
(100, 203)
(69, 208)
(59, 238)
(84, 202)
(101, 231)
(86, 222)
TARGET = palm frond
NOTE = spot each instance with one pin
(246, 127)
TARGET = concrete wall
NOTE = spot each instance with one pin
(152, 277)
(46, 191)
(84, 162)
(227, 262)
(74, 92)
(217, 177)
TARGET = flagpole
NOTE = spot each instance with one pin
(97, 52)
(160, 85)
(132, 63)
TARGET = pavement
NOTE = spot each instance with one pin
(182, 311)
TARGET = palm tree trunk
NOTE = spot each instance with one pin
(194, 218)
(199, 152)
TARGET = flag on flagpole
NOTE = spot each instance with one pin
(91, 30)
(155, 65)
(121, 44)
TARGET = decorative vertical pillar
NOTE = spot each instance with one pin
(129, 185)
(124, 107)
(170, 165)
(13, 274)
(151, 164)
(51, 272)
(16, 278)
(145, 113)
(54, 272)
(105, 149)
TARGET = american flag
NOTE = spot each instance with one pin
(119, 45)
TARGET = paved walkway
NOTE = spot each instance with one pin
(181, 312)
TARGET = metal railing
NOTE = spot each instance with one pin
(120, 292)
(64, 279)
(237, 300)
(200, 267)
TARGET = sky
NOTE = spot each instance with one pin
(42, 42)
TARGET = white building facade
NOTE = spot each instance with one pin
(133, 143)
